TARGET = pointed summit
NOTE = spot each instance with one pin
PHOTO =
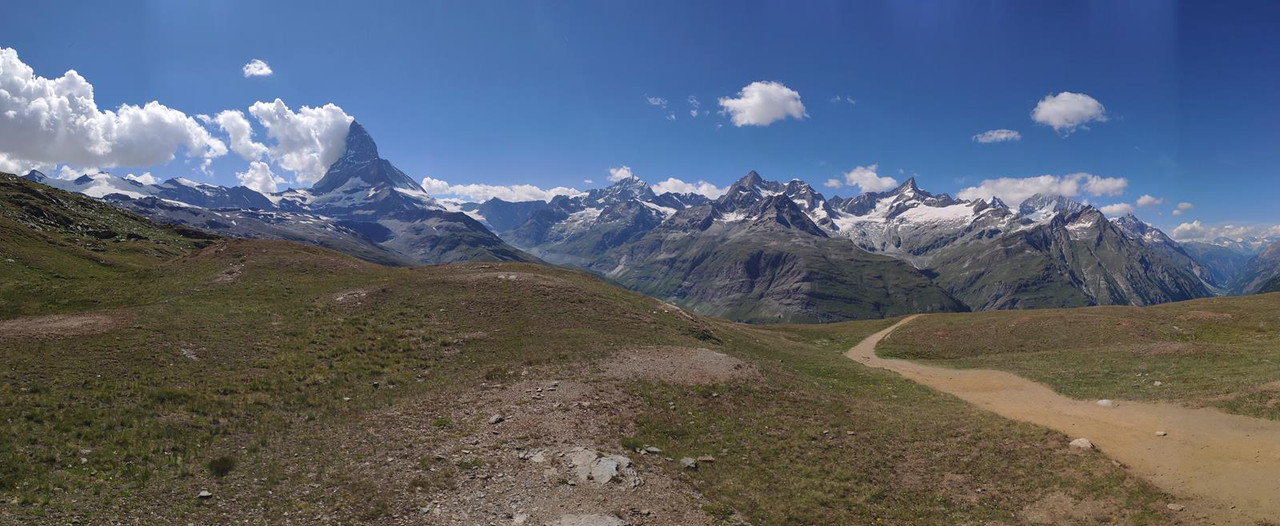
(360, 145)
(361, 162)
(907, 188)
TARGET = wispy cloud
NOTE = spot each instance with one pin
(1001, 135)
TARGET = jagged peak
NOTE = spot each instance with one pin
(360, 145)
(1049, 203)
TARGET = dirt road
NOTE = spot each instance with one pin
(1227, 465)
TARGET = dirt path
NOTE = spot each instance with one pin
(1228, 464)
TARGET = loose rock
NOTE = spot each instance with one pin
(689, 463)
(1161, 433)
(1082, 443)
(204, 494)
(1176, 507)
(1106, 403)
(496, 418)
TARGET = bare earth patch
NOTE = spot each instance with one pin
(530, 452)
(676, 365)
(1060, 509)
(57, 325)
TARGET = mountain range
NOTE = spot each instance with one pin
(762, 251)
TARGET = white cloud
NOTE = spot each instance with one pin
(656, 101)
(145, 178)
(240, 132)
(681, 187)
(620, 173)
(259, 178)
(762, 104)
(1067, 111)
(671, 116)
(588, 181)
(1099, 186)
(694, 104)
(1196, 231)
(845, 98)
(483, 192)
(865, 178)
(307, 141)
(49, 121)
(1149, 200)
(257, 68)
(1015, 190)
(1000, 135)
(1182, 207)
(1117, 209)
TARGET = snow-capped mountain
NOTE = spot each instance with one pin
(363, 205)
(578, 229)
(1049, 251)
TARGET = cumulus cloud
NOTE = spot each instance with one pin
(1067, 111)
(681, 187)
(145, 178)
(257, 68)
(259, 178)
(483, 192)
(1001, 135)
(48, 121)
(762, 104)
(1182, 208)
(1015, 190)
(1197, 231)
(1117, 209)
(1149, 200)
(238, 129)
(865, 179)
(307, 141)
(620, 173)
(656, 101)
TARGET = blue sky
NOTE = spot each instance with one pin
(553, 94)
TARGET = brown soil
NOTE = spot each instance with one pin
(1224, 464)
(55, 326)
(677, 365)
(443, 462)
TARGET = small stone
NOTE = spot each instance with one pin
(1161, 433)
(689, 463)
(1157, 383)
(1176, 507)
(496, 418)
(1082, 443)
(652, 450)
(204, 494)
(707, 459)
(520, 519)
(1106, 403)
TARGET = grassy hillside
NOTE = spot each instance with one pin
(1219, 352)
(297, 385)
(64, 251)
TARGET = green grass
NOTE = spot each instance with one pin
(1220, 352)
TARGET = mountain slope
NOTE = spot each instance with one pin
(1261, 273)
(754, 255)
(56, 241)
(363, 206)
